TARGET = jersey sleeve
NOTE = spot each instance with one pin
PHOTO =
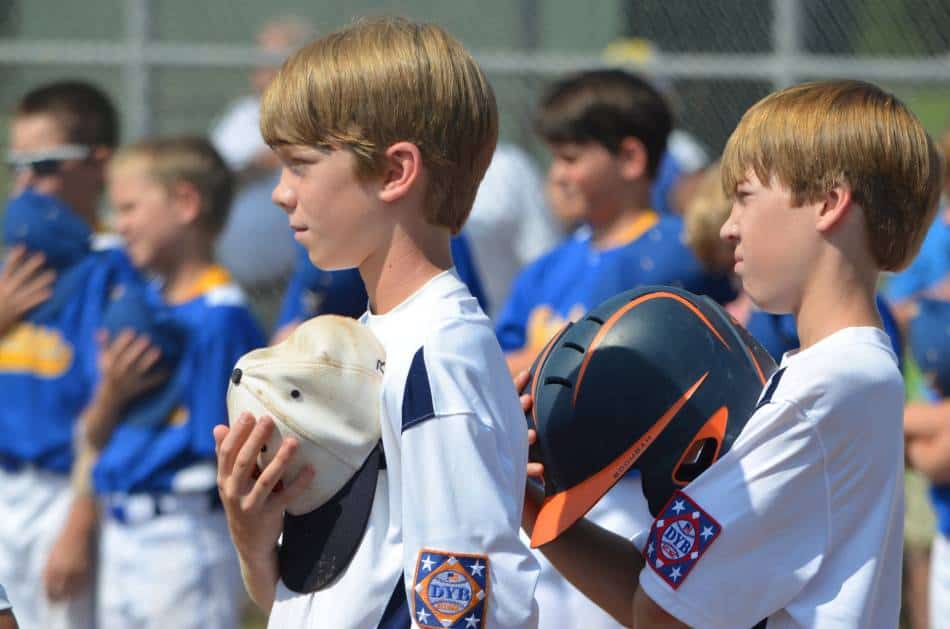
(462, 489)
(744, 538)
(230, 333)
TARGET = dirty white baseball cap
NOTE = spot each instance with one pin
(321, 386)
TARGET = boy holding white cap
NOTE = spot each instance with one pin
(383, 154)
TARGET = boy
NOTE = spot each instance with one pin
(61, 136)
(382, 158)
(155, 483)
(832, 182)
(606, 130)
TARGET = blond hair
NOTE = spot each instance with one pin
(703, 218)
(192, 160)
(815, 136)
(383, 81)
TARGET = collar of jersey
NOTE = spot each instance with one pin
(633, 232)
(213, 277)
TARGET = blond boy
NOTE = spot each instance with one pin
(385, 130)
(832, 183)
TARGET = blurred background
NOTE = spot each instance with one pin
(177, 66)
(174, 65)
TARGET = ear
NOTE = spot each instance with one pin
(833, 207)
(186, 200)
(632, 156)
(402, 169)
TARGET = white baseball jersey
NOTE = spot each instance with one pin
(442, 540)
(800, 524)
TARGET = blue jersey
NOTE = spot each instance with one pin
(929, 267)
(778, 334)
(312, 291)
(178, 454)
(48, 363)
(573, 278)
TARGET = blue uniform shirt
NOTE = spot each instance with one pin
(573, 278)
(313, 291)
(929, 267)
(178, 455)
(48, 363)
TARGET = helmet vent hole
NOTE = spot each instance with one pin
(596, 320)
(696, 460)
(574, 346)
(564, 382)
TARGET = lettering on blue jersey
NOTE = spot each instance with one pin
(37, 350)
(417, 397)
(678, 538)
(450, 590)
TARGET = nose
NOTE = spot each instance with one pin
(283, 194)
(730, 229)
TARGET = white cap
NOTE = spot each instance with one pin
(322, 386)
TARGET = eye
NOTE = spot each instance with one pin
(295, 394)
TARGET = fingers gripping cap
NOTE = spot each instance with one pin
(132, 306)
(656, 379)
(44, 224)
(321, 386)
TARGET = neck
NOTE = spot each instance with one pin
(181, 275)
(618, 229)
(840, 294)
(413, 257)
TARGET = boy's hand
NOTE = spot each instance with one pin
(252, 504)
(125, 362)
(24, 284)
(533, 495)
(535, 468)
(70, 563)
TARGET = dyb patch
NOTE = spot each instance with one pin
(450, 590)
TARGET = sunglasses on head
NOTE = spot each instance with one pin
(47, 161)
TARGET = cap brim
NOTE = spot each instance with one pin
(318, 546)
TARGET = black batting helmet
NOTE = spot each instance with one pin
(655, 378)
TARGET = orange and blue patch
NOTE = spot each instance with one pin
(678, 539)
(450, 590)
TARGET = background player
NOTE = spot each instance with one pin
(162, 522)
(388, 206)
(61, 136)
(783, 164)
(606, 130)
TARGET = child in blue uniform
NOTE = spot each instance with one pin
(60, 138)
(166, 558)
(921, 296)
(606, 131)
